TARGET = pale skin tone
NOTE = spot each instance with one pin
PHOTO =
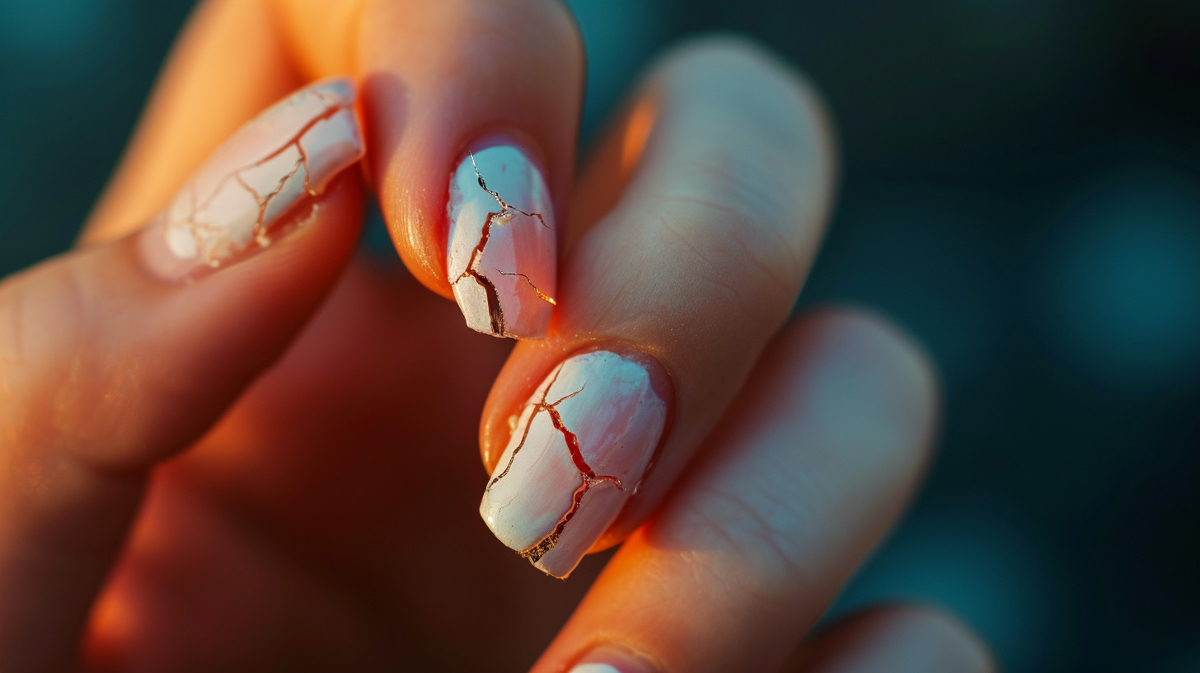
(274, 468)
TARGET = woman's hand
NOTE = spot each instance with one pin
(227, 445)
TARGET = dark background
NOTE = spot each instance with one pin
(1021, 189)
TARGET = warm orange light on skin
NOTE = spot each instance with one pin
(111, 626)
(637, 132)
(606, 175)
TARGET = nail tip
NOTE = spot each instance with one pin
(501, 252)
(483, 325)
(556, 574)
(489, 516)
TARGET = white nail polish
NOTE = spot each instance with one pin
(594, 668)
(231, 204)
(581, 446)
(501, 256)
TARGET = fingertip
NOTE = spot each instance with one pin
(728, 50)
(512, 67)
(910, 367)
(950, 635)
(897, 639)
(740, 58)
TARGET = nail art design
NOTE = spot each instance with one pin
(594, 668)
(501, 253)
(244, 189)
(581, 446)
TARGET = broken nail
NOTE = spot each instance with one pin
(581, 446)
(233, 205)
(501, 257)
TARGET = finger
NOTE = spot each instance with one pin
(472, 108)
(895, 639)
(502, 79)
(672, 296)
(805, 474)
(230, 63)
(487, 92)
(118, 356)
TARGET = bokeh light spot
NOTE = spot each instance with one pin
(1124, 295)
(48, 26)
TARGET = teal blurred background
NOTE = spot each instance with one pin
(1021, 189)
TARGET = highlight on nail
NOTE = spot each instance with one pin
(581, 446)
(501, 256)
(234, 203)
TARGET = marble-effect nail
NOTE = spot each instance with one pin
(501, 256)
(231, 204)
(581, 446)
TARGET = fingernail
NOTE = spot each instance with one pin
(609, 659)
(581, 446)
(233, 205)
(501, 256)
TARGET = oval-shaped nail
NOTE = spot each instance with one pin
(233, 203)
(581, 446)
(501, 256)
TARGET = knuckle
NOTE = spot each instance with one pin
(39, 310)
(13, 329)
(47, 379)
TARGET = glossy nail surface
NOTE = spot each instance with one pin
(501, 256)
(233, 202)
(581, 446)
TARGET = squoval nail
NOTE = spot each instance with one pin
(232, 204)
(501, 256)
(581, 446)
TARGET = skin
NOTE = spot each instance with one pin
(306, 498)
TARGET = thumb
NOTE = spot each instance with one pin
(116, 357)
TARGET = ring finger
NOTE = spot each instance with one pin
(693, 230)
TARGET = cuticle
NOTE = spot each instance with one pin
(646, 663)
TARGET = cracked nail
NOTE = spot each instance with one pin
(235, 203)
(581, 446)
(501, 255)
